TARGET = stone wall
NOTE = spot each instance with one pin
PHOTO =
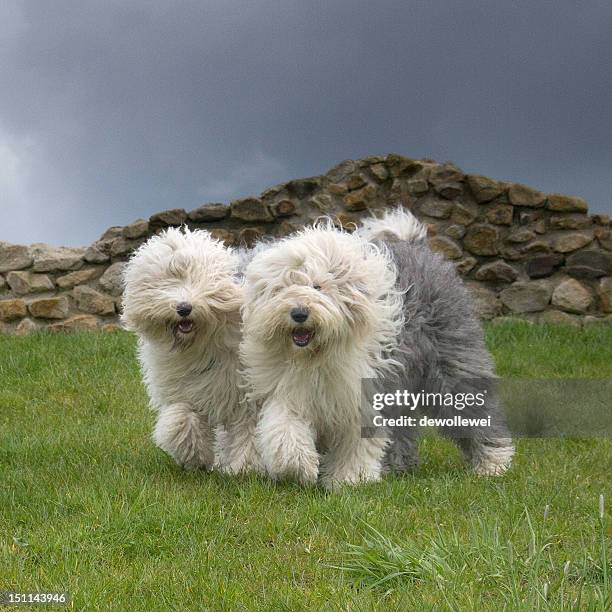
(522, 252)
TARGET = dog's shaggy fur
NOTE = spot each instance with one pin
(321, 310)
(441, 347)
(182, 297)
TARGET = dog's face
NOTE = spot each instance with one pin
(315, 291)
(180, 286)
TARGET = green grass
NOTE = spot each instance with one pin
(88, 505)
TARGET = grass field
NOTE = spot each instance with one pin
(88, 505)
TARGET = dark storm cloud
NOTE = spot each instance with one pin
(114, 110)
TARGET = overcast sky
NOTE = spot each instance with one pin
(113, 110)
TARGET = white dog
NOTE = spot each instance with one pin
(183, 298)
(321, 311)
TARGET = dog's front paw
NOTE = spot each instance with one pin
(354, 461)
(351, 475)
(292, 464)
(236, 450)
(287, 445)
(180, 432)
(240, 461)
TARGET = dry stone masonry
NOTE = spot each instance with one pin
(522, 252)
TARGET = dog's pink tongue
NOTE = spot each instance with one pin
(302, 338)
(185, 326)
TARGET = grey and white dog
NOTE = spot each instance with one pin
(441, 348)
(326, 311)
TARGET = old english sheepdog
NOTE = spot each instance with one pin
(321, 313)
(183, 297)
(326, 311)
(441, 349)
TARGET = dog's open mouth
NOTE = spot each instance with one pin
(185, 326)
(302, 337)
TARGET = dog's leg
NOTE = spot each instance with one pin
(237, 451)
(488, 450)
(402, 454)
(351, 459)
(487, 456)
(286, 443)
(186, 436)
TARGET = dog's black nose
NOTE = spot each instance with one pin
(183, 309)
(299, 314)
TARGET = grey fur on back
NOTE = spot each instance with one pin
(442, 327)
(442, 349)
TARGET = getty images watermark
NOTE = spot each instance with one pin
(529, 407)
(422, 401)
